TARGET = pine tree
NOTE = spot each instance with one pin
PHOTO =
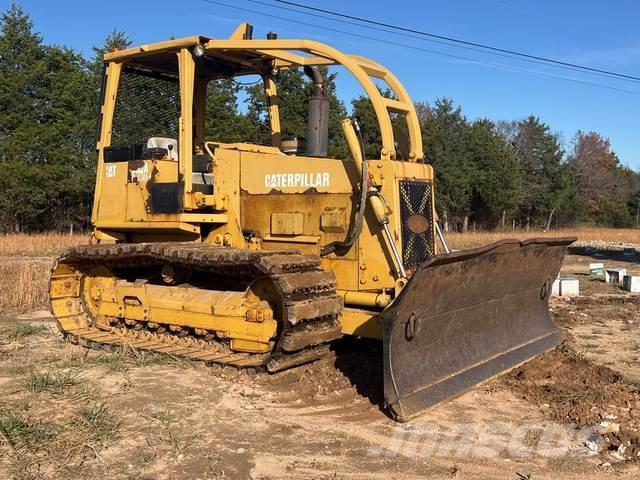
(23, 68)
(484, 172)
(116, 40)
(445, 142)
(366, 117)
(547, 185)
(224, 123)
(365, 114)
(46, 129)
(497, 184)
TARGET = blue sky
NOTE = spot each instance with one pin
(595, 33)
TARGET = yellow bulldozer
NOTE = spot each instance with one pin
(258, 256)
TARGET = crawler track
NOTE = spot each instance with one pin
(308, 306)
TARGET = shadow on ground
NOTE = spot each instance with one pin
(360, 361)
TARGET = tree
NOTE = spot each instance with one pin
(423, 111)
(445, 142)
(365, 114)
(116, 40)
(628, 183)
(485, 171)
(367, 119)
(45, 130)
(23, 67)
(497, 183)
(547, 184)
(593, 167)
(600, 180)
(223, 121)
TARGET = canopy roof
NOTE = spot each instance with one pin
(241, 55)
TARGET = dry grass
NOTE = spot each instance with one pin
(24, 282)
(25, 263)
(614, 235)
(38, 245)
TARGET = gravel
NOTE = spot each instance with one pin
(605, 246)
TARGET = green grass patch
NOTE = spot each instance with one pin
(123, 360)
(19, 330)
(52, 382)
(165, 417)
(99, 420)
(20, 432)
(89, 392)
(176, 445)
(634, 382)
(114, 362)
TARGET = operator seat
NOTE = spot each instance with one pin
(168, 144)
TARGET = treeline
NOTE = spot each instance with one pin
(517, 174)
(509, 174)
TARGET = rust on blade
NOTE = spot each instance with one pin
(467, 316)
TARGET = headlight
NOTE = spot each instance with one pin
(199, 50)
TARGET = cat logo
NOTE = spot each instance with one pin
(293, 180)
(110, 171)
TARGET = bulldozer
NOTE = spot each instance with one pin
(259, 256)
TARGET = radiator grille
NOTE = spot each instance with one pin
(416, 213)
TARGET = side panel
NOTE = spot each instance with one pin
(125, 202)
(322, 190)
(262, 174)
(124, 195)
(111, 203)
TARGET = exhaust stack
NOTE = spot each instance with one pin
(318, 123)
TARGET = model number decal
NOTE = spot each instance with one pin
(141, 174)
(110, 171)
(292, 180)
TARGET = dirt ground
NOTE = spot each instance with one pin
(68, 412)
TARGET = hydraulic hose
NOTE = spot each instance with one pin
(356, 226)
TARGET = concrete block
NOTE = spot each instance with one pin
(632, 283)
(614, 275)
(555, 288)
(596, 269)
(569, 287)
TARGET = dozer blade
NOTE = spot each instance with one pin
(467, 316)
